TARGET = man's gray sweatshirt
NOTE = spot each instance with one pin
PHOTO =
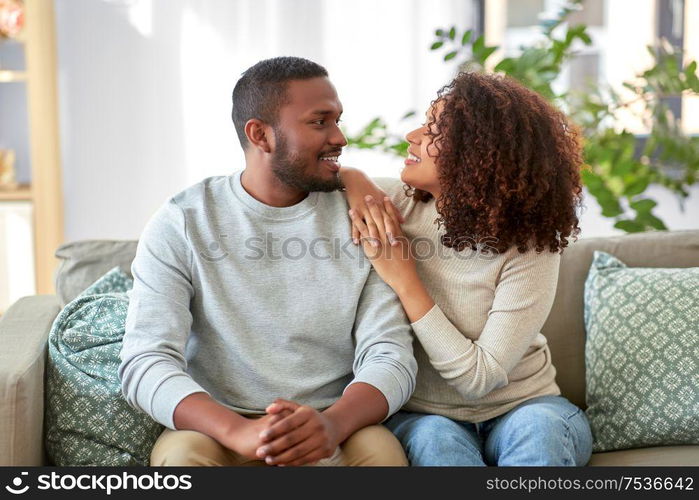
(249, 303)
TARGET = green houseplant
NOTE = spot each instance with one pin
(620, 166)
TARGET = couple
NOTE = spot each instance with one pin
(258, 334)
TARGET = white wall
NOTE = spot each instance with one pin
(144, 89)
(16, 252)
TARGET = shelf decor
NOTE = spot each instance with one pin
(7, 169)
(11, 18)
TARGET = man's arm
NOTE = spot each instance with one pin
(153, 365)
(158, 324)
(360, 405)
(384, 345)
(200, 412)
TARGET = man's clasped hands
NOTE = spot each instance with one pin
(289, 434)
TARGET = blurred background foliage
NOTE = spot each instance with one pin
(620, 166)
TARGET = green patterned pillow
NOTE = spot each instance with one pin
(87, 420)
(641, 355)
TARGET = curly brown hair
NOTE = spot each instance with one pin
(508, 164)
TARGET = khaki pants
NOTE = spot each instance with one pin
(371, 446)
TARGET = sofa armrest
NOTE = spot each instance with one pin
(24, 331)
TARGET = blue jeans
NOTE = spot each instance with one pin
(547, 430)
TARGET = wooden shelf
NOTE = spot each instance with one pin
(23, 192)
(12, 76)
(21, 37)
(38, 38)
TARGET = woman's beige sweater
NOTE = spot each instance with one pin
(480, 351)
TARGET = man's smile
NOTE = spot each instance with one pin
(331, 160)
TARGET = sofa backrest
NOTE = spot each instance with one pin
(565, 329)
(81, 263)
(85, 261)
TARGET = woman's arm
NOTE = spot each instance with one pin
(394, 263)
(358, 186)
(523, 299)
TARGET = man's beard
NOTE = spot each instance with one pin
(291, 170)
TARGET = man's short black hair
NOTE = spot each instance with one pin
(261, 91)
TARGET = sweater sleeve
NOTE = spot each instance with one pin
(153, 366)
(384, 352)
(394, 189)
(523, 299)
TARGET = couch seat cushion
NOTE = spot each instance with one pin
(83, 262)
(655, 456)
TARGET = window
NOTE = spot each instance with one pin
(522, 13)
(618, 53)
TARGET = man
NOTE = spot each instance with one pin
(256, 332)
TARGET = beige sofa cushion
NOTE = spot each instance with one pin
(656, 456)
(83, 262)
(565, 329)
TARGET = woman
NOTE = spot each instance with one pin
(493, 187)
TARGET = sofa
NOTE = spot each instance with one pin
(25, 327)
